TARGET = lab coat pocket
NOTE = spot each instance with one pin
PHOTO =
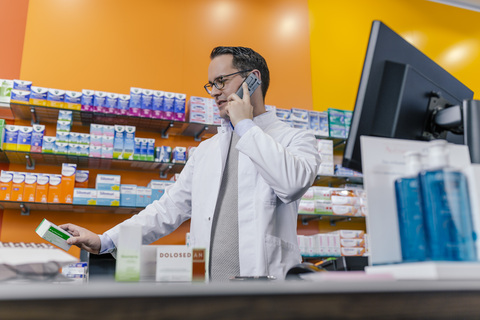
(280, 255)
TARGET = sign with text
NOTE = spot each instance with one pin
(174, 263)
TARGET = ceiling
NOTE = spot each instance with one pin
(473, 5)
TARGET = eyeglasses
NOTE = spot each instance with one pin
(219, 82)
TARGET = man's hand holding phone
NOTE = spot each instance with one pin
(239, 109)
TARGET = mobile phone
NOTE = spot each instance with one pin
(252, 81)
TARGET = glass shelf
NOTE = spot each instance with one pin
(26, 207)
(49, 115)
(333, 219)
(30, 159)
(333, 181)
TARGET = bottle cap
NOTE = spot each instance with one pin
(437, 153)
(413, 162)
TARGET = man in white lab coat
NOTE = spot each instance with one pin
(276, 165)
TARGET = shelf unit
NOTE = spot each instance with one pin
(30, 159)
(333, 219)
(49, 115)
(26, 207)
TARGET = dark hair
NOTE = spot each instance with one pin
(245, 59)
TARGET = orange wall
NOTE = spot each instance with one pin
(13, 17)
(112, 45)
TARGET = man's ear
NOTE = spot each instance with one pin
(257, 73)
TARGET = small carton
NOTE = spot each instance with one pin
(123, 104)
(62, 136)
(179, 103)
(144, 197)
(143, 149)
(74, 137)
(108, 130)
(95, 151)
(96, 140)
(163, 154)
(18, 186)
(53, 234)
(6, 181)
(179, 155)
(135, 102)
(30, 187)
(150, 150)
(81, 178)
(283, 114)
(20, 96)
(83, 150)
(64, 126)
(108, 198)
(99, 99)
(2, 130)
(22, 85)
(109, 182)
(38, 96)
(41, 191)
(157, 104)
(85, 196)
(118, 142)
(129, 143)
(111, 102)
(87, 100)
(73, 149)
(38, 131)
(11, 137)
(128, 195)
(137, 155)
(24, 140)
(6, 87)
(56, 98)
(48, 144)
(299, 115)
(68, 182)
(107, 152)
(61, 147)
(65, 115)
(84, 138)
(107, 141)
(146, 103)
(158, 189)
(73, 100)
(199, 262)
(54, 188)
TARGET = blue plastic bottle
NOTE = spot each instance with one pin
(446, 207)
(409, 211)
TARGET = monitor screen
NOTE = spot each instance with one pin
(395, 94)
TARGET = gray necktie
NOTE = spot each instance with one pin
(224, 260)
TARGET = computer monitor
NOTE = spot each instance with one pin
(401, 94)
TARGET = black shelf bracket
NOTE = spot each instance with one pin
(333, 223)
(34, 116)
(165, 131)
(198, 136)
(24, 210)
(306, 220)
(163, 173)
(30, 162)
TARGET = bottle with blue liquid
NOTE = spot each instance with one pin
(409, 211)
(446, 206)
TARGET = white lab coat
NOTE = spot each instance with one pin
(277, 164)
